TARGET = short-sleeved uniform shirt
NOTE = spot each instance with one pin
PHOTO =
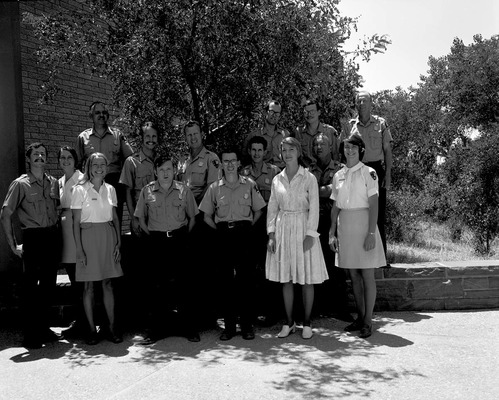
(263, 179)
(200, 172)
(230, 203)
(375, 135)
(138, 171)
(324, 178)
(166, 210)
(273, 155)
(306, 140)
(113, 145)
(96, 206)
(353, 186)
(34, 201)
(66, 188)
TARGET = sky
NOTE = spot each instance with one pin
(417, 29)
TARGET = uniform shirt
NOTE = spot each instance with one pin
(200, 172)
(138, 171)
(353, 186)
(231, 203)
(262, 179)
(35, 202)
(96, 207)
(113, 145)
(166, 210)
(66, 188)
(273, 155)
(306, 140)
(325, 178)
(299, 195)
(375, 135)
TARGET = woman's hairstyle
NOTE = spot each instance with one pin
(291, 141)
(71, 150)
(356, 140)
(147, 125)
(88, 164)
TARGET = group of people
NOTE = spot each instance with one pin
(205, 226)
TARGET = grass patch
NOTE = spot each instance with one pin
(433, 242)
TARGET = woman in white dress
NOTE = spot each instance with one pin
(294, 254)
(358, 245)
(67, 161)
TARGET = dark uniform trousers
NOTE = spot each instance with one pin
(380, 171)
(169, 270)
(41, 252)
(237, 273)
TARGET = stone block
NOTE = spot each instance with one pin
(473, 271)
(483, 293)
(403, 271)
(475, 283)
(494, 282)
(471, 303)
(435, 288)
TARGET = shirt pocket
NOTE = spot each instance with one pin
(222, 208)
(245, 207)
(156, 209)
(34, 203)
(376, 140)
(198, 175)
(142, 178)
(178, 210)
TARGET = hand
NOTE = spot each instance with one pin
(18, 250)
(369, 242)
(136, 226)
(271, 245)
(117, 253)
(81, 258)
(308, 242)
(333, 243)
(387, 182)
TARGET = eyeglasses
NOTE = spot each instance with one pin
(309, 112)
(101, 112)
(233, 162)
(272, 113)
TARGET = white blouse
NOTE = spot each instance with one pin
(352, 187)
(66, 188)
(95, 206)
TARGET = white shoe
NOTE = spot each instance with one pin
(307, 332)
(287, 330)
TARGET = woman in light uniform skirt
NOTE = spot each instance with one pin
(354, 215)
(97, 236)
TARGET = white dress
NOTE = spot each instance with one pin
(293, 213)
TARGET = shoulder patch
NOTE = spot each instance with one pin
(215, 163)
(373, 175)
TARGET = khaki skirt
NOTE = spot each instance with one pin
(98, 241)
(353, 226)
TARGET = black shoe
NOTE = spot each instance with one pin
(114, 337)
(32, 343)
(193, 337)
(147, 341)
(48, 335)
(73, 331)
(354, 326)
(366, 331)
(227, 334)
(92, 338)
(248, 334)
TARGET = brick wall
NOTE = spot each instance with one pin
(59, 123)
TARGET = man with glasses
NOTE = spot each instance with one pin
(272, 133)
(106, 140)
(231, 206)
(306, 133)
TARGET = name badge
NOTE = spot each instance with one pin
(246, 196)
(200, 164)
(94, 198)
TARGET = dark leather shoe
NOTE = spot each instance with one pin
(48, 335)
(73, 331)
(115, 338)
(248, 335)
(354, 326)
(32, 343)
(147, 341)
(366, 331)
(227, 334)
(92, 339)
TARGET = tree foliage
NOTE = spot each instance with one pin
(215, 61)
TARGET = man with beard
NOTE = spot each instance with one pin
(34, 197)
(272, 133)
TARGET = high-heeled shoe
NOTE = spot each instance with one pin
(287, 330)
(307, 332)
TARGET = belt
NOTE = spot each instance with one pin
(172, 234)
(233, 224)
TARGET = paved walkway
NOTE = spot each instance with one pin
(413, 355)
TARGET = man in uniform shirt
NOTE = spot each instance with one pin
(378, 154)
(198, 170)
(333, 293)
(138, 171)
(263, 173)
(108, 141)
(231, 206)
(272, 133)
(34, 197)
(306, 133)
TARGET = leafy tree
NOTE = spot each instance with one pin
(216, 61)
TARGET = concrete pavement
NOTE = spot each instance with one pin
(412, 355)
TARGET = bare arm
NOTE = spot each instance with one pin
(208, 218)
(117, 228)
(333, 240)
(6, 218)
(131, 210)
(370, 240)
(388, 166)
(80, 253)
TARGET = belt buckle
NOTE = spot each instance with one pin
(169, 234)
(231, 224)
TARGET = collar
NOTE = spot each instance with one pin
(175, 185)
(240, 180)
(320, 129)
(32, 178)
(356, 167)
(107, 131)
(143, 157)
(201, 154)
(371, 120)
(74, 178)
